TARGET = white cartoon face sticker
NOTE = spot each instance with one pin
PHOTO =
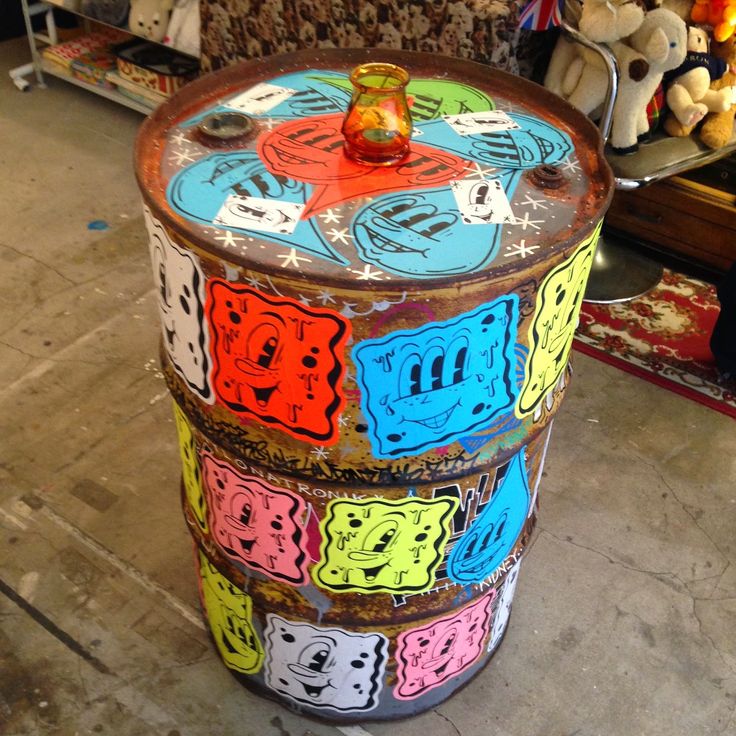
(324, 668)
(502, 608)
(180, 285)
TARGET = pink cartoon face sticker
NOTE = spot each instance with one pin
(431, 655)
(256, 523)
(324, 668)
(278, 361)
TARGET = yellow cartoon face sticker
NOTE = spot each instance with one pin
(553, 327)
(383, 546)
(190, 468)
(230, 615)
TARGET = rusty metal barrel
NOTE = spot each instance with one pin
(365, 363)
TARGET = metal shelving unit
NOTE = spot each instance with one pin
(38, 66)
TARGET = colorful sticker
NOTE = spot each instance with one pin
(427, 387)
(232, 188)
(191, 474)
(383, 546)
(229, 612)
(431, 98)
(431, 655)
(324, 668)
(426, 234)
(180, 286)
(532, 143)
(490, 121)
(553, 327)
(310, 150)
(277, 360)
(256, 523)
(502, 609)
(493, 534)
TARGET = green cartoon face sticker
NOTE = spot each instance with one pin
(230, 615)
(191, 474)
(383, 546)
(553, 327)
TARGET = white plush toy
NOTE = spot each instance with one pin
(689, 94)
(658, 45)
(602, 21)
(150, 18)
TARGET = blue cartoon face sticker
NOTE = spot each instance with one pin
(427, 387)
(236, 192)
(435, 232)
(519, 142)
(494, 532)
(290, 96)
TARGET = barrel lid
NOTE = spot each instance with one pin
(247, 164)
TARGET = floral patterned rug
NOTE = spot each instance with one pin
(662, 337)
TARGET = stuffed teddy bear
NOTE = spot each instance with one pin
(689, 93)
(717, 129)
(601, 21)
(150, 18)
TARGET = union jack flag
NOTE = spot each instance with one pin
(539, 15)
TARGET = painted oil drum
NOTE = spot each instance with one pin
(365, 362)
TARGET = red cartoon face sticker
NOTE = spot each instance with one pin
(277, 361)
(256, 523)
(311, 150)
(431, 655)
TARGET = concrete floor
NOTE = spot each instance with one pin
(625, 617)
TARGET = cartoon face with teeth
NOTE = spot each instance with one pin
(229, 612)
(381, 545)
(324, 668)
(494, 532)
(191, 474)
(553, 327)
(423, 234)
(277, 360)
(180, 285)
(256, 523)
(424, 388)
(431, 655)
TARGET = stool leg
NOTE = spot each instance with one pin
(619, 273)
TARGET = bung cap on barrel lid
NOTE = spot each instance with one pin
(248, 165)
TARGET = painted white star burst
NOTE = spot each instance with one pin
(476, 170)
(339, 235)
(534, 203)
(254, 282)
(325, 298)
(304, 300)
(228, 239)
(343, 420)
(329, 216)
(179, 158)
(367, 274)
(520, 249)
(179, 139)
(525, 221)
(570, 164)
(292, 259)
(319, 453)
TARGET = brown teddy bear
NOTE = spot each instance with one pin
(718, 126)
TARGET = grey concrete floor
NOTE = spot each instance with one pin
(624, 622)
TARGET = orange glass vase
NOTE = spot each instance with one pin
(377, 125)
